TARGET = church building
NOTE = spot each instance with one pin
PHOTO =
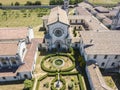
(57, 29)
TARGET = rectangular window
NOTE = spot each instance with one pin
(105, 57)
(116, 56)
(95, 56)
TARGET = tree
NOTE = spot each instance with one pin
(37, 3)
(27, 84)
(17, 3)
(28, 3)
(52, 2)
(12, 4)
(5, 14)
(0, 4)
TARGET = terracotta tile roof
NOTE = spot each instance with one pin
(8, 48)
(58, 12)
(96, 77)
(13, 33)
(104, 42)
(82, 11)
(28, 59)
(102, 9)
(6, 74)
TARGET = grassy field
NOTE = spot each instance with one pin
(8, 2)
(104, 1)
(12, 87)
(21, 18)
(109, 82)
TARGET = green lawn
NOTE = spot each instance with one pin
(22, 18)
(104, 1)
(8, 2)
(109, 82)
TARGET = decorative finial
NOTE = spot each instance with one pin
(58, 16)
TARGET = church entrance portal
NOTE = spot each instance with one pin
(58, 44)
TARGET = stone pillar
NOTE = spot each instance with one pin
(10, 63)
(0, 64)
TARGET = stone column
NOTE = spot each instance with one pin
(10, 63)
(0, 64)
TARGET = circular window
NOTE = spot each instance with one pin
(58, 33)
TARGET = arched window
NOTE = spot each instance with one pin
(25, 76)
(4, 61)
(3, 77)
(113, 64)
(14, 62)
(23, 51)
(76, 45)
(14, 77)
(103, 64)
(75, 21)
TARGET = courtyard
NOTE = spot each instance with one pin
(57, 71)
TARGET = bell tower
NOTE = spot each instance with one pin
(116, 21)
(66, 5)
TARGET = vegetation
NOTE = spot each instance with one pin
(10, 86)
(65, 73)
(75, 1)
(27, 84)
(109, 81)
(80, 82)
(104, 2)
(22, 18)
(17, 3)
(0, 4)
(56, 2)
(23, 2)
(59, 62)
(33, 3)
(54, 70)
(60, 2)
(74, 33)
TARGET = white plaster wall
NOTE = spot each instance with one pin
(21, 46)
(89, 78)
(30, 34)
(81, 47)
(35, 58)
(9, 78)
(110, 59)
(54, 26)
(23, 73)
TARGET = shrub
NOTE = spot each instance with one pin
(28, 3)
(56, 2)
(0, 4)
(71, 51)
(81, 82)
(52, 74)
(69, 69)
(43, 77)
(17, 3)
(37, 3)
(68, 73)
(27, 84)
(46, 85)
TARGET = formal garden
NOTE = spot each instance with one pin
(58, 72)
